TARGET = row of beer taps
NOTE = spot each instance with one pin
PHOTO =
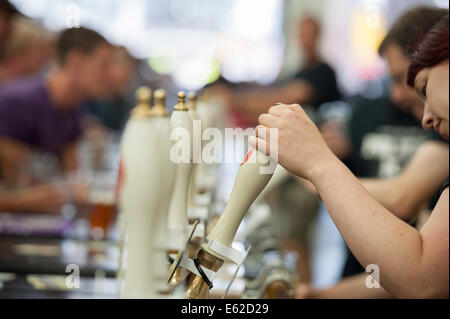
(157, 193)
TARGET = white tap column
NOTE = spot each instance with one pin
(202, 168)
(139, 192)
(177, 221)
(196, 149)
(162, 128)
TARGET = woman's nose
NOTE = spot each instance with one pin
(427, 120)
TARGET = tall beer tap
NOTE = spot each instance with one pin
(162, 128)
(139, 193)
(196, 148)
(177, 220)
(250, 181)
(140, 111)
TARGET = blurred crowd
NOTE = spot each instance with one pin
(57, 89)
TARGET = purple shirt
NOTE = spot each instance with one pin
(28, 115)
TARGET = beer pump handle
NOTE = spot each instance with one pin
(253, 175)
(192, 100)
(196, 155)
(177, 218)
(250, 181)
(159, 109)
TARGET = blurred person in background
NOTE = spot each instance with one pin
(104, 119)
(112, 113)
(313, 85)
(42, 114)
(32, 199)
(294, 206)
(409, 263)
(406, 186)
(26, 51)
(316, 72)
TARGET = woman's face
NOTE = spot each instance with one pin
(432, 86)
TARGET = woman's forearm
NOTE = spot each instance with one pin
(373, 234)
(353, 287)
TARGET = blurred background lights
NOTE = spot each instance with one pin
(184, 11)
(246, 40)
(161, 64)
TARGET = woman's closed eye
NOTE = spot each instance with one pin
(424, 90)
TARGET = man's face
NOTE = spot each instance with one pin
(403, 96)
(308, 36)
(93, 70)
(119, 76)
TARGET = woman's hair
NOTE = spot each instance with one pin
(432, 50)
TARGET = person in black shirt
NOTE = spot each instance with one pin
(323, 80)
(315, 71)
(313, 85)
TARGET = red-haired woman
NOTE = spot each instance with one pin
(412, 264)
(428, 73)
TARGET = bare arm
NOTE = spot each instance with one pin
(353, 287)
(69, 158)
(253, 102)
(412, 263)
(14, 157)
(38, 199)
(406, 193)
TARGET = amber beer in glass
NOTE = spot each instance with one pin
(102, 213)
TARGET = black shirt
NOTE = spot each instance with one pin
(322, 77)
(111, 113)
(383, 139)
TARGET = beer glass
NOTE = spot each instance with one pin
(102, 204)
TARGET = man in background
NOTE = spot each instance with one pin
(313, 85)
(294, 206)
(42, 114)
(113, 112)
